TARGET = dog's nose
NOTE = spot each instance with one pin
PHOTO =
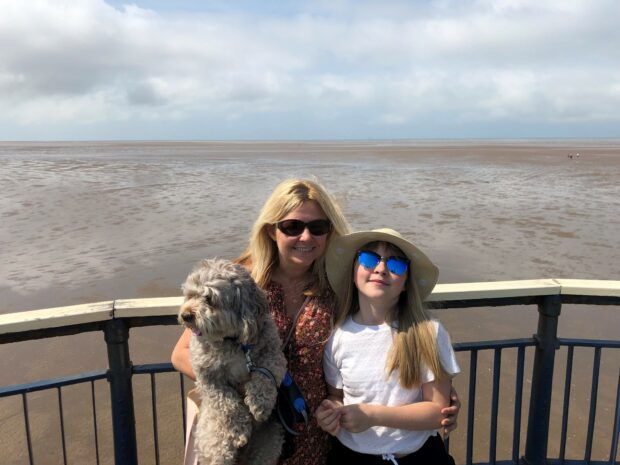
(187, 317)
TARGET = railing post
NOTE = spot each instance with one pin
(119, 377)
(542, 381)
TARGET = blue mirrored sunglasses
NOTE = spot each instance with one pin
(396, 265)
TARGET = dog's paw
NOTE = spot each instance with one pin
(260, 398)
(260, 405)
(240, 435)
(259, 413)
(240, 440)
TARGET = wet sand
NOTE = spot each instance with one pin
(84, 222)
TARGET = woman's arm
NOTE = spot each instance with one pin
(451, 413)
(180, 355)
(424, 415)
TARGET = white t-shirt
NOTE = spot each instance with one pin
(354, 361)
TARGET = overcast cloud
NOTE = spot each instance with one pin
(89, 69)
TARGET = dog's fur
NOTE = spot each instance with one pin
(225, 309)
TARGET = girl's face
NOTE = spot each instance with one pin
(378, 284)
(301, 250)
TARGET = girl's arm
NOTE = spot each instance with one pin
(328, 413)
(180, 355)
(424, 415)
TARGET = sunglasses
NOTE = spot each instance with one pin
(396, 265)
(296, 227)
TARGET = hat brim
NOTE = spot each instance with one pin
(341, 252)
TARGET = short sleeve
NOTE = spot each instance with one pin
(447, 357)
(330, 367)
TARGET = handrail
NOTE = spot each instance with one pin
(499, 291)
(115, 318)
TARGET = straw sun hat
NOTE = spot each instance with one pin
(342, 250)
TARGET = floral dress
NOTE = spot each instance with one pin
(305, 363)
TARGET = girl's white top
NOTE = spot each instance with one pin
(354, 361)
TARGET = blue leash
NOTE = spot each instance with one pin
(298, 404)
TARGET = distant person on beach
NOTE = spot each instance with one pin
(285, 254)
(387, 364)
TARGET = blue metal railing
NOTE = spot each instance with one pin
(544, 345)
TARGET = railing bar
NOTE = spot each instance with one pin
(471, 406)
(497, 364)
(573, 462)
(152, 368)
(27, 424)
(154, 406)
(501, 343)
(603, 343)
(62, 426)
(92, 393)
(567, 389)
(593, 399)
(116, 336)
(51, 383)
(616, 430)
(183, 406)
(516, 436)
(539, 412)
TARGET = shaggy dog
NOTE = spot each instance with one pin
(229, 316)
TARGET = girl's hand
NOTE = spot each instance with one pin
(451, 413)
(356, 417)
(328, 417)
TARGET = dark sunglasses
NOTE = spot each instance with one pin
(396, 265)
(296, 227)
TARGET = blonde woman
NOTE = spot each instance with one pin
(286, 255)
(387, 364)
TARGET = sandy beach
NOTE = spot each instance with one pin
(86, 222)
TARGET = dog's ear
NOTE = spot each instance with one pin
(253, 308)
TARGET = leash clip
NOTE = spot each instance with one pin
(248, 358)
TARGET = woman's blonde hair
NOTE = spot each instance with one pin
(261, 253)
(415, 340)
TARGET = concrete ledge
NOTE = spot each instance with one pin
(160, 306)
(168, 306)
(494, 290)
(589, 287)
(56, 317)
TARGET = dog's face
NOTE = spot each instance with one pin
(222, 300)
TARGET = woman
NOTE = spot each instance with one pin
(286, 256)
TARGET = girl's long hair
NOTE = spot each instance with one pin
(261, 254)
(415, 342)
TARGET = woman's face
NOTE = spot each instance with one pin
(378, 283)
(302, 250)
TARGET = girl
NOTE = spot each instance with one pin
(387, 364)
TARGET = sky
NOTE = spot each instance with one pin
(333, 69)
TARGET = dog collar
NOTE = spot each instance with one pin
(246, 347)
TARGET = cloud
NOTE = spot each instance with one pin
(384, 63)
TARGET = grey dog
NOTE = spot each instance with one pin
(229, 317)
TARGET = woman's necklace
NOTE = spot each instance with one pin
(294, 297)
(293, 292)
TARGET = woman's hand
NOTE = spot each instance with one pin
(451, 413)
(328, 416)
